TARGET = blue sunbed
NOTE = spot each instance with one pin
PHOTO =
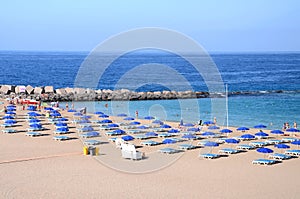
(61, 138)
(186, 146)
(245, 147)
(168, 150)
(150, 143)
(9, 131)
(293, 152)
(280, 156)
(92, 142)
(263, 161)
(33, 134)
(228, 151)
(209, 155)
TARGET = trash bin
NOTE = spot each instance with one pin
(85, 150)
(92, 151)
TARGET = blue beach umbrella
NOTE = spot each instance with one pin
(71, 111)
(55, 114)
(208, 133)
(104, 116)
(194, 129)
(48, 108)
(260, 126)
(10, 105)
(83, 121)
(276, 131)
(143, 127)
(10, 113)
(119, 131)
(63, 129)
(149, 118)
(99, 113)
(34, 120)
(211, 144)
(208, 122)
(77, 114)
(134, 123)
(261, 134)
(63, 119)
(61, 124)
(106, 121)
(92, 134)
(127, 138)
(157, 122)
(282, 146)
(151, 134)
(297, 142)
(86, 117)
(122, 115)
(242, 128)
(128, 118)
(264, 150)
(189, 136)
(247, 136)
(226, 131)
(293, 130)
(31, 108)
(113, 125)
(36, 125)
(33, 114)
(232, 141)
(213, 127)
(10, 121)
(168, 141)
(165, 126)
(11, 108)
(7, 117)
(87, 128)
(173, 131)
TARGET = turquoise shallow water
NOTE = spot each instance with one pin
(272, 110)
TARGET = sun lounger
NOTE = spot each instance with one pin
(203, 142)
(141, 137)
(9, 131)
(292, 152)
(280, 156)
(35, 129)
(61, 138)
(61, 132)
(273, 141)
(111, 133)
(33, 134)
(165, 135)
(149, 143)
(245, 147)
(168, 150)
(89, 134)
(186, 146)
(92, 142)
(228, 151)
(5, 125)
(289, 139)
(209, 155)
(135, 131)
(263, 161)
(112, 139)
(257, 144)
(221, 140)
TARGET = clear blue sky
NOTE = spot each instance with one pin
(78, 25)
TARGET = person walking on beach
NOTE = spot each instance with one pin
(215, 121)
(136, 114)
(67, 106)
(295, 124)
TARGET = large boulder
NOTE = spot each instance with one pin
(49, 89)
(29, 89)
(20, 89)
(38, 90)
(61, 92)
(5, 89)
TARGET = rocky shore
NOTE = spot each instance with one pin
(49, 93)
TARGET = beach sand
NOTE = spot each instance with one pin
(39, 167)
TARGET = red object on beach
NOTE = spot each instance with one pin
(27, 101)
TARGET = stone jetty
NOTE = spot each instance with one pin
(49, 93)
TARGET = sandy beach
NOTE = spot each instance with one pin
(40, 167)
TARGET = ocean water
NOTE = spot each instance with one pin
(259, 73)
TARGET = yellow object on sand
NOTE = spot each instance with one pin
(85, 150)
(97, 151)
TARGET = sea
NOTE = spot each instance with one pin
(263, 88)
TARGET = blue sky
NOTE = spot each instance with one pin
(230, 25)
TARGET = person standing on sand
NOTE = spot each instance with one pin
(136, 114)
(215, 121)
(67, 106)
(295, 124)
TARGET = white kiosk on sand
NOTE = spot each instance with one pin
(128, 150)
